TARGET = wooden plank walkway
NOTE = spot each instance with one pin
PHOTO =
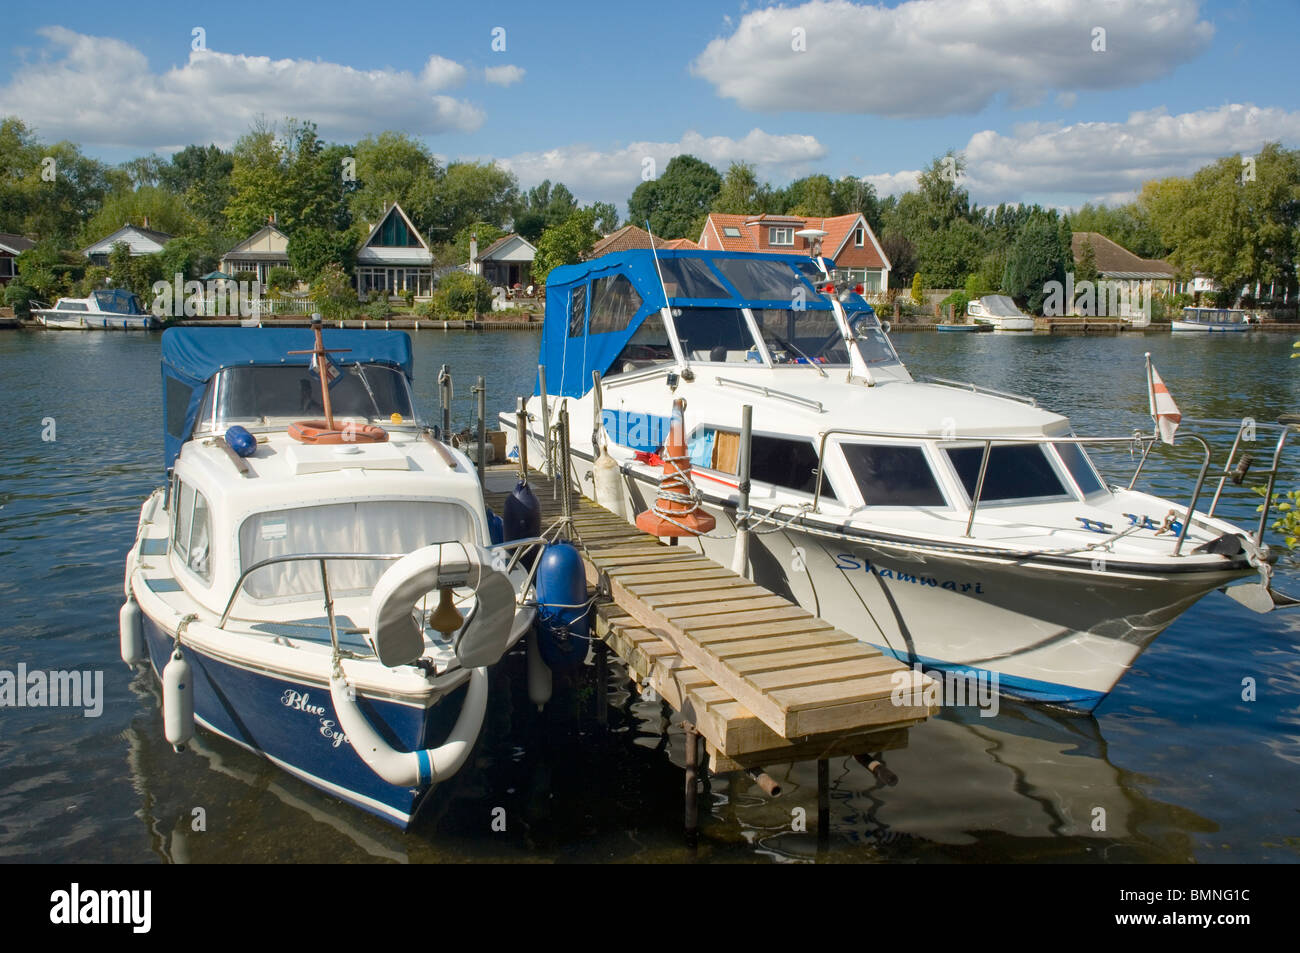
(763, 680)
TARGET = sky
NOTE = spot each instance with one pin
(1058, 102)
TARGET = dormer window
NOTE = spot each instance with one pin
(780, 235)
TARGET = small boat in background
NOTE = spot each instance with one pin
(970, 328)
(1211, 319)
(999, 312)
(110, 309)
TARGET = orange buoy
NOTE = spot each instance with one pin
(677, 511)
(318, 431)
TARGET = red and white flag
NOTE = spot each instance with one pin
(1163, 409)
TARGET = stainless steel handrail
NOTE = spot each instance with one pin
(769, 392)
(979, 389)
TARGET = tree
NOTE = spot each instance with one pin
(144, 170)
(472, 192)
(950, 254)
(605, 215)
(201, 176)
(849, 195)
(189, 257)
(164, 211)
(311, 249)
(565, 244)
(49, 191)
(1085, 264)
(394, 167)
(902, 256)
(259, 186)
(918, 289)
(487, 233)
(333, 293)
(1037, 258)
(462, 293)
(677, 201)
(741, 193)
(812, 195)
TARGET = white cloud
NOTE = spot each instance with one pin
(611, 175)
(1105, 161)
(503, 75)
(945, 57)
(100, 92)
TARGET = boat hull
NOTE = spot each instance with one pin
(1177, 325)
(1058, 635)
(89, 321)
(292, 722)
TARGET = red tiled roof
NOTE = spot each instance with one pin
(839, 231)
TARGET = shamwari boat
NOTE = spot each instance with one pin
(1211, 319)
(952, 526)
(321, 591)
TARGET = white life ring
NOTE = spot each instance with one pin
(396, 629)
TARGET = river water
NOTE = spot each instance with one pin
(1176, 765)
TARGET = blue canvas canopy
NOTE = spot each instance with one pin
(627, 285)
(191, 356)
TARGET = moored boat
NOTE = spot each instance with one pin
(950, 525)
(321, 591)
(1215, 320)
(112, 309)
(999, 312)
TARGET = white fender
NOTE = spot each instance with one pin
(607, 480)
(178, 701)
(396, 629)
(413, 768)
(131, 631)
(539, 675)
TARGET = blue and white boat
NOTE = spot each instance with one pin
(109, 309)
(1211, 319)
(950, 525)
(322, 592)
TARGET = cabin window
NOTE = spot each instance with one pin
(691, 278)
(801, 337)
(1015, 472)
(764, 280)
(781, 236)
(715, 335)
(892, 475)
(1080, 467)
(71, 306)
(200, 540)
(614, 302)
(791, 464)
(370, 526)
(648, 345)
(181, 519)
(577, 311)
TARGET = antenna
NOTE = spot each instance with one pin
(659, 271)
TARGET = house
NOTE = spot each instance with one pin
(11, 246)
(265, 249)
(1139, 277)
(629, 237)
(505, 263)
(141, 240)
(395, 258)
(849, 242)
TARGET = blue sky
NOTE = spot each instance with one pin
(594, 89)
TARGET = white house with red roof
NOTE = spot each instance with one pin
(849, 241)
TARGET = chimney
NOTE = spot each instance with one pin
(146, 221)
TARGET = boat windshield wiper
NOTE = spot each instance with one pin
(784, 343)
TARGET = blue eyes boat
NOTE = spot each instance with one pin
(112, 309)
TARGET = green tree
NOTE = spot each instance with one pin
(850, 194)
(395, 167)
(950, 254)
(49, 191)
(311, 249)
(564, 244)
(333, 293)
(462, 293)
(918, 289)
(259, 186)
(605, 215)
(1037, 257)
(903, 259)
(190, 257)
(474, 192)
(201, 176)
(1085, 264)
(163, 210)
(487, 233)
(676, 203)
(812, 195)
(741, 192)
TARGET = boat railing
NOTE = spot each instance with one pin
(770, 392)
(519, 547)
(978, 389)
(1236, 472)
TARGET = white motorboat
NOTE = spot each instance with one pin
(111, 309)
(999, 311)
(1211, 319)
(950, 525)
(322, 592)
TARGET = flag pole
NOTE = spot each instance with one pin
(1151, 399)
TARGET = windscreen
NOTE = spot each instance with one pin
(872, 342)
(251, 393)
(801, 337)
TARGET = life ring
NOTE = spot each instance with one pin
(317, 431)
(397, 632)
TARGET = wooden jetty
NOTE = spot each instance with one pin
(758, 678)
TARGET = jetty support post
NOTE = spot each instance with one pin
(692, 805)
(444, 394)
(602, 683)
(740, 556)
(823, 802)
(480, 389)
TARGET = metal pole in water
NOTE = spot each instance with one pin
(602, 684)
(444, 393)
(740, 556)
(692, 813)
(823, 802)
(481, 390)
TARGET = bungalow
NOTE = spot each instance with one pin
(395, 258)
(265, 249)
(11, 246)
(506, 263)
(1142, 276)
(849, 241)
(629, 237)
(142, 240)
